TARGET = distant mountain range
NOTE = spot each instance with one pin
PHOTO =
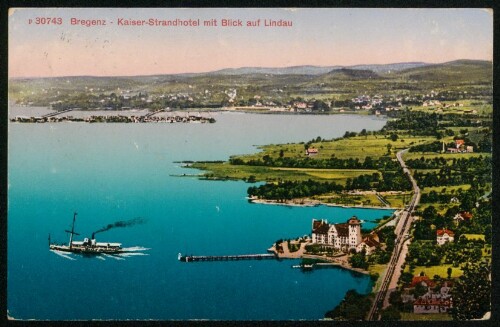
(355, 71)
(316, 70)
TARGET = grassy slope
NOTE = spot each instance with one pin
(357, 147)
(228, 171)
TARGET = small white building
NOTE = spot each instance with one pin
(311, 152)
(369, 244)
(462, 216)
(432, 305)
(444, 236)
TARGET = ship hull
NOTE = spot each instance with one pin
(86, 250)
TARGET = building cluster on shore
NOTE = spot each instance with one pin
(436, 297)
(341, 236)
(114, 119)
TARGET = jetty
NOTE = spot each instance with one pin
(56, 113)
(195, 258)
(153, 113)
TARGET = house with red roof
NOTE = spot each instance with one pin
(370, 243)
(311, 152)
(462, 216)
(459, 143)
(444, 236)
(423, 280)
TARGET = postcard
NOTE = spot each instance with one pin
(249, 164)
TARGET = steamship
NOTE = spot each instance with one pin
(87, 246)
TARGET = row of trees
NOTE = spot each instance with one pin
(436, 146)
(383, 163)
(458, 164)
(480, 175)
(292, 189)
(288, 190)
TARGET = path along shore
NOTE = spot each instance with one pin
(306, 202)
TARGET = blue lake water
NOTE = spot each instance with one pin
(111, 172)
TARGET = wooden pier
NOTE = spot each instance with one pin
(195, 258)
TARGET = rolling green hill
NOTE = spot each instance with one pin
(277, 85)
(459, 71)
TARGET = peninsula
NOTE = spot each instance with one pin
(434, 167)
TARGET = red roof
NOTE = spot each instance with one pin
(312, 150)
(320, 226)
(317, 223)
(419, 279)
(459, 142)
(371, 242)
(354, 221)
(441, 232)
(465, 215)
(322, 229)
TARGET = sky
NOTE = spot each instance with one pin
(320, 37)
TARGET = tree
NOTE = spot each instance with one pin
(354, 306)
(391, 313)
(420, 290)
(448, 271)
(472, 292)
(395, 299)
(358, 260)
(406, 277)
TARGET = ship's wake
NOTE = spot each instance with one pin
(131, 254)
(62, 254)
(113, 256)
(135, 249)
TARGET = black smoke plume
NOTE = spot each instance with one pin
(126, 223)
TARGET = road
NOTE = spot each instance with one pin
(401, 243)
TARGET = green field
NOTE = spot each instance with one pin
(380, 270)
(410, 316)
(474, 237)
(329, 174)
(397, 200)
(441, 270)
(357, 147)
(270, 174)
(448, 156)
(350, 199)
(448, 188)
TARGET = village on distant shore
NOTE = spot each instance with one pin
(54, 117)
